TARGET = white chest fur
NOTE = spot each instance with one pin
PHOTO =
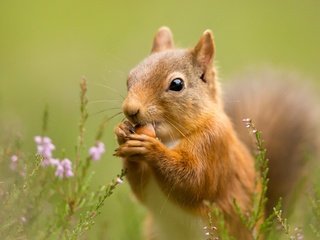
(169, 221)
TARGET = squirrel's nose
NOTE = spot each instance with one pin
(131, 109)
(133, 112)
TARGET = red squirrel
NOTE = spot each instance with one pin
(185, 150)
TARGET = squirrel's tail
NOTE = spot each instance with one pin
(286, 115)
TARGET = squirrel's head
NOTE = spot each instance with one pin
(173, 88)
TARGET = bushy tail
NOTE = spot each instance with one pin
(286, 115)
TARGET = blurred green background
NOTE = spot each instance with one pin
(47, 46)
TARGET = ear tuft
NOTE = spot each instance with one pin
(163, 40)
(204, 50)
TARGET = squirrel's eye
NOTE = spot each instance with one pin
(176, 84)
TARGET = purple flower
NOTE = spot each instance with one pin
(54, 162)
(44, 149)
(64, 168)
(96, 151)
(59, 171)
(14, 162)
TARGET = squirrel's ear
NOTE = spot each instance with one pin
(163, 40)
(204, 50)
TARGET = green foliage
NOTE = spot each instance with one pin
(86, 220)
(315, 204)
(253, 221)
(296, 234)
(260, 226)
(216, 228)
(46, 45)
(35, 204)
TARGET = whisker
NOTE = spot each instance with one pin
(123, 119)
(113, 116)
(178, 124)
(120, 74)
(104, 123)
(174, 126)
(171, 135)
(105, 110)
(119, 60)
(109, 88)
(104, 101)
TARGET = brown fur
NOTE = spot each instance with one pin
(208, 162)
(286, 114)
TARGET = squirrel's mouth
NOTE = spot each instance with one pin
(137, 124)
(163, 130)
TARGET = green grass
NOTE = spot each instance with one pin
(46, 47)
(35, 204)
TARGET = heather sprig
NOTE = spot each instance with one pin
(216, 228)
(52, 199)
(44, 149)
(87, 220)
(83, 118)
(259, 199)
(255, 220)
(97, 150)
(64, 168)
(314, 199)
(295, 234)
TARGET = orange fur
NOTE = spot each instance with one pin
(207, 161)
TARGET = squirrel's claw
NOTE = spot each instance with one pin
(122, 131)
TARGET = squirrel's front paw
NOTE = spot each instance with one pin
(122, 131)
(142, 145)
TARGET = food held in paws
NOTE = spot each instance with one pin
(147, 129)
